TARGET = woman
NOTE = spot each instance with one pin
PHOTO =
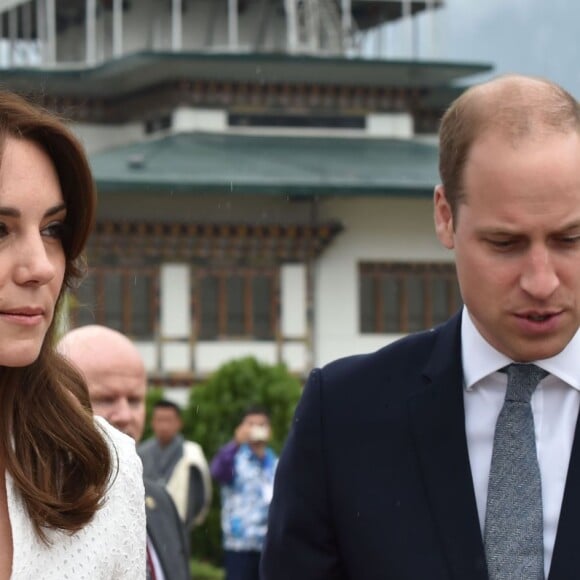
(71, 492)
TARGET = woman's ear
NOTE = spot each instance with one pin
(443, 218)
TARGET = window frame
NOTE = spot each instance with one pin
(429, 273)
(98, 276)
(248, 274)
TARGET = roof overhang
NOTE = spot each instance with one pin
(136, 72)
(192, 163)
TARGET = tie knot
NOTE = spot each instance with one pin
(522, 381)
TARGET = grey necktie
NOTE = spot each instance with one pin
(513, 533)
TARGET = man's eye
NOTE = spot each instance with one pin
(3, 230)
(502, 244)
(570, 240)
(104, 401)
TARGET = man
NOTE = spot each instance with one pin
(400, 463)
(245, 468)
(177, 464)
(117, 383)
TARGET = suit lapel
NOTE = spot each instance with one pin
(566, 557)
(437, 417)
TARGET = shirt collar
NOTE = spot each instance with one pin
(489, 360)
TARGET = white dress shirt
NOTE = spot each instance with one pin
(159, 575)
(555, 405)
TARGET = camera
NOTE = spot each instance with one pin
(259, 433)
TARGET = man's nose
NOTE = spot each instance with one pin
(121, 413)
(539, 278)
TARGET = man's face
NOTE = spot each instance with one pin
(166, 424)
(517, 242)
(258, 427)
(117, 393)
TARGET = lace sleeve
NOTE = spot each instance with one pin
(110, 547)
(125, 504)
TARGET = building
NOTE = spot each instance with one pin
(264, 183)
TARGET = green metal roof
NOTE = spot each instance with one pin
(138, 71)
(272, 165)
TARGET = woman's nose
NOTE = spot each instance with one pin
(35, 262)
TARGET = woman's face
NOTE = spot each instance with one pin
(32, 259)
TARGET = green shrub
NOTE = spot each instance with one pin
(213, 413)
(205, 571)
(153, 395)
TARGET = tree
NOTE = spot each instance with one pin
(215, 409)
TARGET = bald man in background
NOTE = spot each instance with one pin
(117, 382)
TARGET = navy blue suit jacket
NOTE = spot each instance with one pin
(374, 482)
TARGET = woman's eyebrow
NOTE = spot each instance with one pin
(13, 212)
(55, 209)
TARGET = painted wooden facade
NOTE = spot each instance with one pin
(221, 232)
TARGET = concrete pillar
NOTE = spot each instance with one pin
(91, 28)
(50, 32)
(12, 34)
(117, 28)
(176, 26)
(409, 30)
(291, 25)
(233, 24)
(346, 25)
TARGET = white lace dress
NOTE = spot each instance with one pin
(111, 546)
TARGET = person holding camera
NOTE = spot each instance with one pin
(245, 469)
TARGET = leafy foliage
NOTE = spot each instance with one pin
(205, 571)
(152, 396)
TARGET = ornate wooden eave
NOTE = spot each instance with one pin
(126, 243)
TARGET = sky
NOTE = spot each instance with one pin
(536, 37)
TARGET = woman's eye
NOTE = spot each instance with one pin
(3, 230)
(54, 230)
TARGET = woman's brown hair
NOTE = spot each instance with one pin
(57, 456)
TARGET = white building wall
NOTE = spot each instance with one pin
(211, 208)
(149, 354)
(293, 300)
(295, 357)
(189, 119)
(175, 301)
(374, 229)
(396, 125)
(210, 356)
(175, 323)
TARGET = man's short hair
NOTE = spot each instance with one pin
(166, 404)
(515, 106)
(255, 409)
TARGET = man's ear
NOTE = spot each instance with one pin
(443, 218)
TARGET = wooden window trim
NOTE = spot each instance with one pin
(428, 273)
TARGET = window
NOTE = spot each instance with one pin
(236, 302)
(296, 121)
(400, 298)
(120, 298)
